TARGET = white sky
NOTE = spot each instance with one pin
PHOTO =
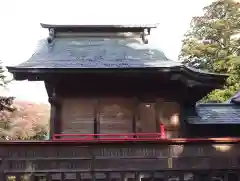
(20, 29)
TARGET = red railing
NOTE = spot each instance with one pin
(109, 137)
(113, 137)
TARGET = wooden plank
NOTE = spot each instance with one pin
(146, 121)
(78, 115)
(116, 115)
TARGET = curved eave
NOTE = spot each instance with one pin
(21, 73)
(235, 99)
(203, 75)
(88, 70)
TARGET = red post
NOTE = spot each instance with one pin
(162, 131)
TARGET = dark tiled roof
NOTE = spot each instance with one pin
(215, 113)
(236, 98)
(73, 50)
(97, 53)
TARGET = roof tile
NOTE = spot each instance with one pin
(236, 98)
(98, 52)
(216, 114)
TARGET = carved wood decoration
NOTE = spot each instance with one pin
(51, 35)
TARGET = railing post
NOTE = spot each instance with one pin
(2, 167)
(93, 162)
(2, 176)
(162, 131)
(152, 176)
(49, 177)
(18, 177)
(196, 176)
(108, 176)
(137, 176)
(78, 176)
(225, 176)
(124, 176)
(181, 176)
(62, 176)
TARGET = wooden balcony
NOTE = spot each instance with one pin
(162, 159)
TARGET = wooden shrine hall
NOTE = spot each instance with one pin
(110, 84)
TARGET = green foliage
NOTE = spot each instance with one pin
(213, 44)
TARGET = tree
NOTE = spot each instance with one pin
(213, 44)
(21, 120)
(5, 102)
(28, 122)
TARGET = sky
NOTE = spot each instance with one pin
(20, 29)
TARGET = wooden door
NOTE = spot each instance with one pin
(146, 122)
(116, 115)
(78, 115)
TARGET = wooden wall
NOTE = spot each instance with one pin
(169, 116)
(77, 115)
(115, 115)
(110, 115)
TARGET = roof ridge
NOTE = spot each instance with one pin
(47, 25)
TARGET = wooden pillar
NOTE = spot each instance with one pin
(185, 112)
(96, 122)
(55, 116)
(158, 130)
(135, 115)
(58, 110)
(52, 120)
